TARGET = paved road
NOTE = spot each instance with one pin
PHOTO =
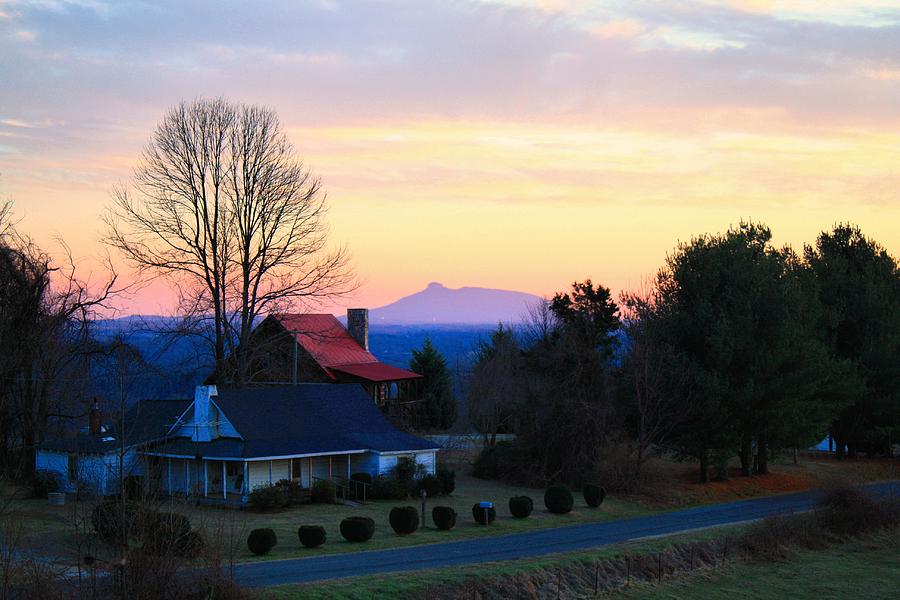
(527, 544)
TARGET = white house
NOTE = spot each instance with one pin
(227, 442)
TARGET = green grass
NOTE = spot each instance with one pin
(384, 587)
(469, 490)
(860, 570)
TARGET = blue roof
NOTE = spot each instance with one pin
(309, 418)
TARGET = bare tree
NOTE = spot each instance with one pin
(221, 205)
(658, 392)
(45, 313)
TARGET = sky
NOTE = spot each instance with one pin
(512, 144)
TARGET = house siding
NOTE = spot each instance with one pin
(259, 474)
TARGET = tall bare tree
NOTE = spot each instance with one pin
(221, 205)
(45, 315)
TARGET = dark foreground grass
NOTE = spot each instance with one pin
(384, 587)
(862, 569)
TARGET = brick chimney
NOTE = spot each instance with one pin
(95, 418)
(358, 326)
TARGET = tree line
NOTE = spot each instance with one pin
(737, 348)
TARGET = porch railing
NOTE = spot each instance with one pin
(350, 489)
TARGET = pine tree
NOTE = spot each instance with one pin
(437, 391)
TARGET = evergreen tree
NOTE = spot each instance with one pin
(437, 391)
(859, 288)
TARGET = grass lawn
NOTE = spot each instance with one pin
(469, 490)
(861, 570)
(384, 587)
(50, 529)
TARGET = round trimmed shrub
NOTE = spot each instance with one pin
(593, 494)
(558, 499)
(260, 541)
(357, 529)
(404, 520)
(448, 480)
(478, 514)
(521, 506)
(433, 486)
(444, 517)
(311, 536)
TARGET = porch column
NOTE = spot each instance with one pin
(169, 475)
(245, 487)
(290, 469)
(348, 468)
(329, 467)
(224, 482)
(205, 478)
(309, 474)
(270, 472)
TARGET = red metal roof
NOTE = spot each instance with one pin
(332, 346)
(376, 372)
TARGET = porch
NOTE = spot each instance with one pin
(226, 481)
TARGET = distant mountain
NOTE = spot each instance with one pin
(437, 304)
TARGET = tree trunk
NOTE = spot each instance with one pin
(746, 455)
(704, 468)
(762, 452)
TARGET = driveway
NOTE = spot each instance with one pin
(527, 544)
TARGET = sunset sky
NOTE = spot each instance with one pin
(511, 144)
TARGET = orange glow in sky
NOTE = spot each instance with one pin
(517, 145)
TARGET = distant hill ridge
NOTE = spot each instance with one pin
(438, 304)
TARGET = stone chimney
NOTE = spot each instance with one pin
(95, 418)
(358, 326)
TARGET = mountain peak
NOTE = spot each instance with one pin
(438, 304)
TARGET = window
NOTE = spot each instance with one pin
(73, 467)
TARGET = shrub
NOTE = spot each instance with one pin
(189, 545)
(45, 482)
(261, 541)
(133, 486)
(311, 536)
(408, 470)
(492, 462)
(520, 506)
(293, 493)
(448, 480)
(433, 486)
(267, 497)
(162, 531)
(324, 492)
(357, 529)
(389, 488)
(106, 519)
(558, 499)
(593, 494)
(444, 517)
(849, 511)
(404, 520)
(478, 514)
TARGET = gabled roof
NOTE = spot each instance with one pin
(146, 421)
(309, 418)
(334, 349)
(326, 340)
